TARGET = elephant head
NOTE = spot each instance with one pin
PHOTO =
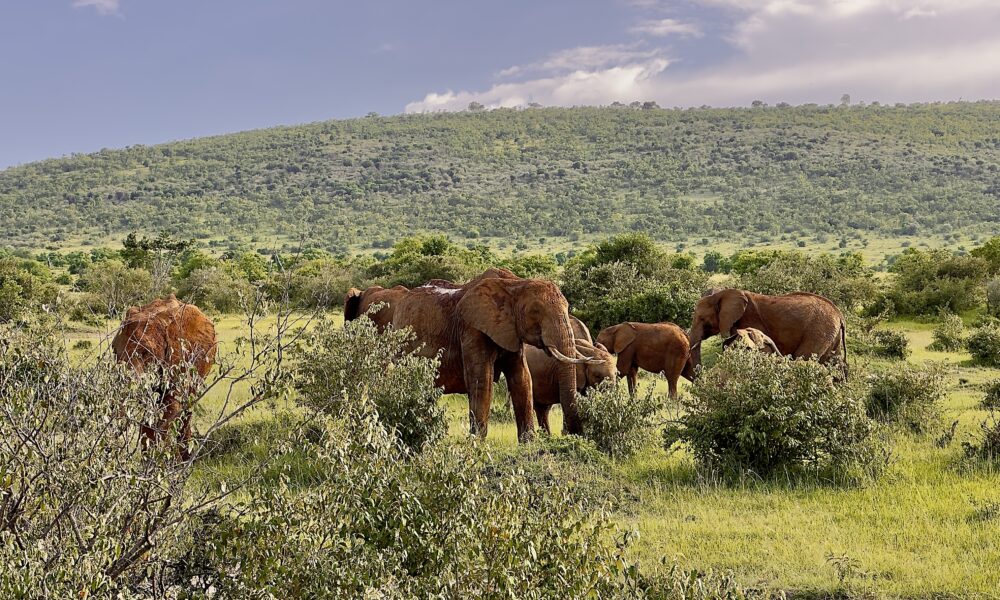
(591, 374)
(513, 312)
(715, 313)
(751, 339)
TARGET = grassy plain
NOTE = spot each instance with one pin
(930, 528)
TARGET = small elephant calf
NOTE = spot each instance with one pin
(751, 339)
(654, 347)
(545, 373)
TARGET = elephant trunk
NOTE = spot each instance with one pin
(694, 354)
(559, 337)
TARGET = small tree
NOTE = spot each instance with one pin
(114, 287)
(949, 335)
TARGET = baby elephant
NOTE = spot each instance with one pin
(751, 339)
(545, 375)
(654, 347)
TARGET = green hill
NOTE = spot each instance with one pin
(729, 175)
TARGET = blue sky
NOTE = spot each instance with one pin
(80, 75)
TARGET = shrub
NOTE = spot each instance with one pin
(215, 288)
(22, 289)
(993, 297)
(949, 335)
(844, 279)
(114, 287)
(766, 414)
(83, 345)
(906, 395)
(380, 522)
(929, 281)
(501, 409)
(867, 338)
(984, 344)
(991, 399)
(618, 424)
(985, 444)
(354, 370)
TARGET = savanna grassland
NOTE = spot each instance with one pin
(928, 528)
(892, 212)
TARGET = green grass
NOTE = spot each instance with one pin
(920, 531)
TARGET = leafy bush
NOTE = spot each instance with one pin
(354, 370)
(618, 424)
(766, 414)
(993, 297)
(501, 409)
(380, 522)
(113, 287)
(991, 399)
(985, 443)
(22, 290)
(907, 395)
(867, 338)
(933, 280)
(984, 344)
(215, 288)
(844, 279)
(949, 335)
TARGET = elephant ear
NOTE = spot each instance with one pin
(732, 305)
(352, 304)
(624, 336)
(489, 308)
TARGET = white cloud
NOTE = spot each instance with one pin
(783, 50)
(583, 58)
(104, 7)
(665, 27)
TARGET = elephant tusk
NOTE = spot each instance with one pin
(565, 359)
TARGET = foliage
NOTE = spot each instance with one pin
(416, 260)
(353, 371)
(766, 414)
(866, 337)
(113, 287)
(949, 335)
(558, 173)
(984, 344)
(628, 278)
(215, 288)
(934, 280)
(990, 252)
(844, 279)
(984, 443)
(21, 290)
(501, 409)
(618, 424)
(906, 395)
(993, 297)
(378, 521)
(991, 399)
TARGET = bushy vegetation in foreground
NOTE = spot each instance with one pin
(764, 414)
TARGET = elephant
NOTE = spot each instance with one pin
(165, 336)
(545, 390)
(800, 324)
(357, 303)
(751, 339)
(480, 330)
(655, 347)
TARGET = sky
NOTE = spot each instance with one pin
(81, 75)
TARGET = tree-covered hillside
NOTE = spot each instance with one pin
(722, 174)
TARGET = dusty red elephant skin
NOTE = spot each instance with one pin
(164, 335)
(480, 329)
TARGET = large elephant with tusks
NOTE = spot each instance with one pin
(480, 329)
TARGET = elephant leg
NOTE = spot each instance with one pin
(515, 369)
(542, 414)
(478, 361)
(172, 409)
(631, 377)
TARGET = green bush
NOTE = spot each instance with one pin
(991, 399)
(113, 287)
(501, 409)
(867, 338)
(618, 424)
(355, 370)
(984, 345)
(985, 443)
(22, 290)
(930, 281)
(949, 335)
(844, 279)
(767, 414)
(906, 395)
(380, 522)
(215, 288)
(993, 297)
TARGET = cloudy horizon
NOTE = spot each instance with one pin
(111, 73)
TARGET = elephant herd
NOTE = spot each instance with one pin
(501, 324)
